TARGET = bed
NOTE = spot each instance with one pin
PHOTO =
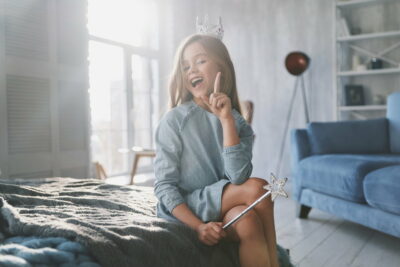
(85, 222)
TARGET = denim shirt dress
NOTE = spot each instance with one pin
(192, 166)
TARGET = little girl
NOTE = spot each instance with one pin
(204, 152)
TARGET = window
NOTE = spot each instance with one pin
(123, 75)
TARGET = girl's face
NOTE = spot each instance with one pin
(199, 70)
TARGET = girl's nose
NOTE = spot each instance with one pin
(193, 69)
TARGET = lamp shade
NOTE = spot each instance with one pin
(297, 62)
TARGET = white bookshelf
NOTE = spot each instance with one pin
(364, 107)
(359, 3)
(381, 42)
(367, 36)
(369, 72)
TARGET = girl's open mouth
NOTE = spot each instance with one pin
(196, 81)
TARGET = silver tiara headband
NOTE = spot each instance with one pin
(204, 27)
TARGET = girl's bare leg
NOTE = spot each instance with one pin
(248, 231)
(246, 194)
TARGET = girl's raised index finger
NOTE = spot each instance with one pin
(217, 83)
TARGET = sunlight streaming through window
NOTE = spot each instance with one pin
(132, 22)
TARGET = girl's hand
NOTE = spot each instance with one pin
(219, 103)
(210, 233)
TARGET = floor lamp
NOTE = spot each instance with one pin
(296, 63)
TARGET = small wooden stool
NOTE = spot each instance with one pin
(139, 153)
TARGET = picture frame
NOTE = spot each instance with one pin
(354, 95)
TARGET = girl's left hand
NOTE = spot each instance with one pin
(218, 103)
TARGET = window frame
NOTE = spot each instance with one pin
(128, 52)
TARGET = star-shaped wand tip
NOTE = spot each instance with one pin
(276, 187)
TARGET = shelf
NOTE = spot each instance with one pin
(360, 3)
(363, 108)
(356, 14)
(369, 72)
(368, 36)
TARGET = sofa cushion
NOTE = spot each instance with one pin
(349, 137)
(382, 189)
(340, 175)
(393, 115)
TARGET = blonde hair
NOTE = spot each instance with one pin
(218, 51)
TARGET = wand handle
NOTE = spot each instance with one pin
(246, 210)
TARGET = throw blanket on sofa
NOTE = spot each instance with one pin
(116, 223)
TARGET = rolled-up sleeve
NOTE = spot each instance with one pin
(237, 158)
(166, 164)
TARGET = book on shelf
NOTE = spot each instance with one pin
(339, 29)
(345, 26)
(342, 27)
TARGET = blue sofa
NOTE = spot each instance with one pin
(351, 169)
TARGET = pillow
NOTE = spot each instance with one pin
(350, 137)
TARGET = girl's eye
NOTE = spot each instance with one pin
(201, 61)
(185, 68)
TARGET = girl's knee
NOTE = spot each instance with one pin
(255, 189)
(244, 194)
(257, 182)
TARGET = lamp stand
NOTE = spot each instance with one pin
(299, 79)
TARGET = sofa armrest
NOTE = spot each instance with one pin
(300, 146)
(300, 149)
(349, 137)
(393, 115)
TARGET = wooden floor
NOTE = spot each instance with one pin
(323, 239)
(326, 240)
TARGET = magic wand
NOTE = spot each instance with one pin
(274, 189)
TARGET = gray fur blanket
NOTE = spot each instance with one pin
(116, 223)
